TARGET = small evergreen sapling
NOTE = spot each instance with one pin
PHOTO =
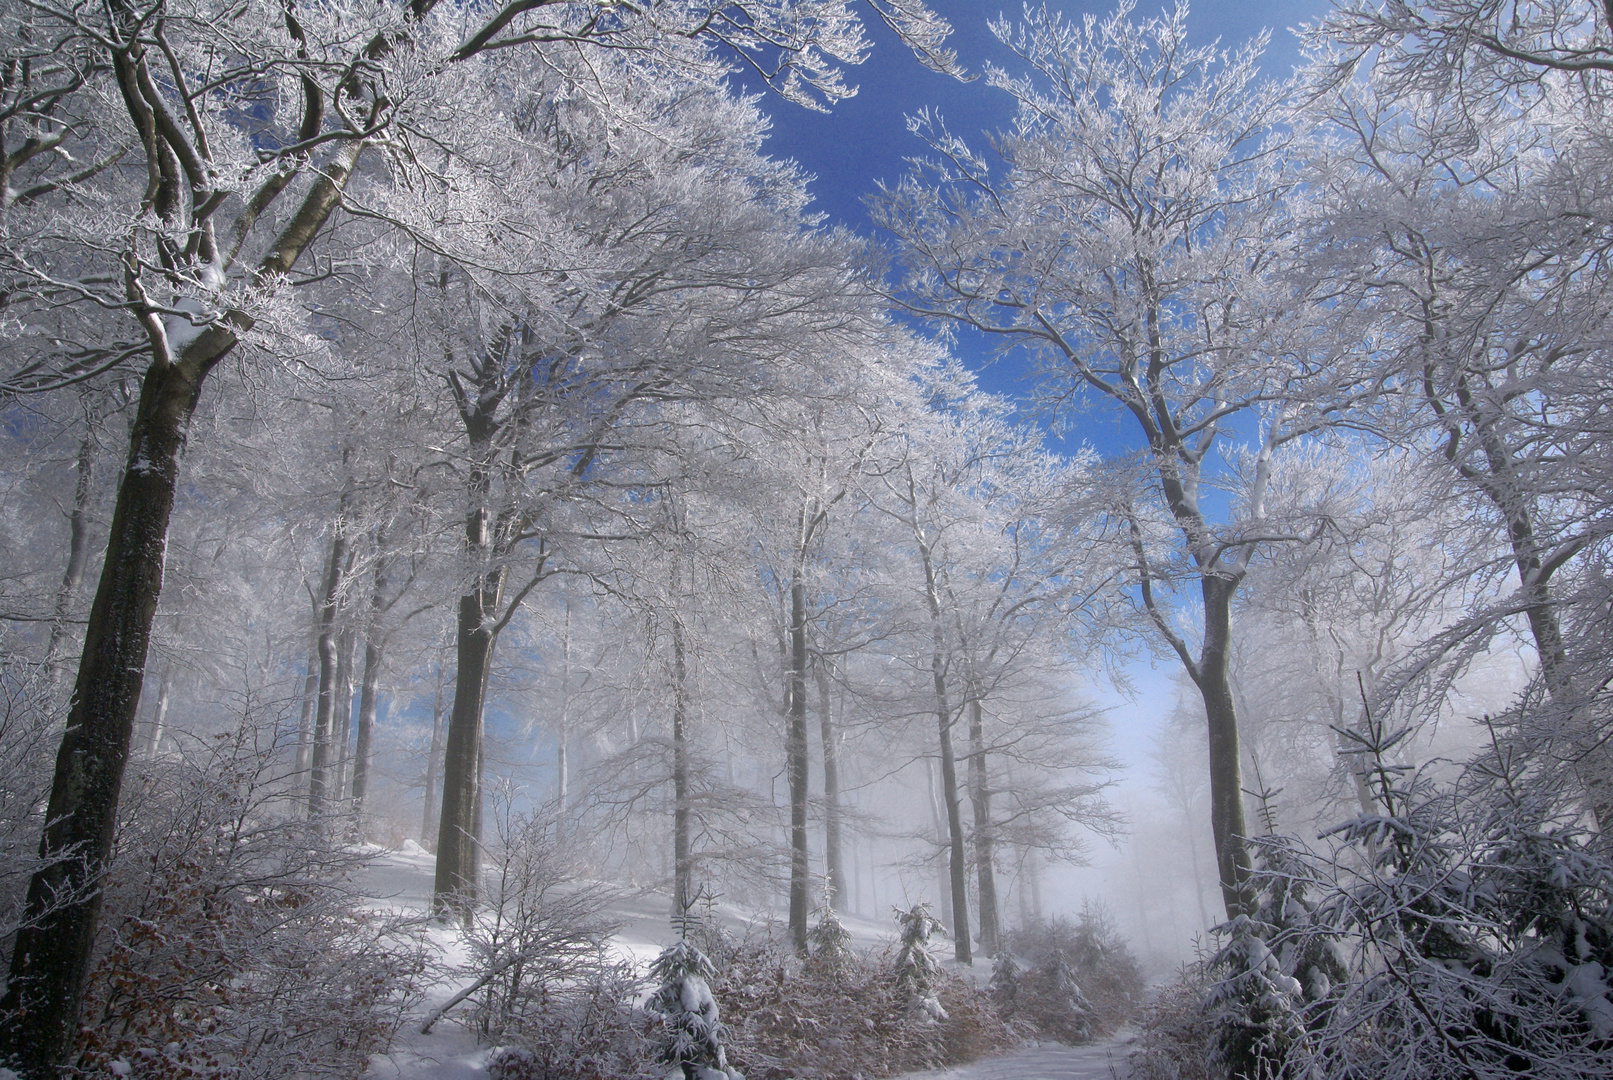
(917, 972)
(1254, 1006)
(692, 1035)
(1004, 986)
(829, 946)
(1060, 1009)
(1483, 920)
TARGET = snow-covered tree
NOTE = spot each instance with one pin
(1470, 249)
(1006, 978)
(917, 972)
(1129, 245)
(1477, 925)
(691, 1035)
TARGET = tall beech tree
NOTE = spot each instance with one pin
(812, 449)
(1128, 245)
(1476, 243)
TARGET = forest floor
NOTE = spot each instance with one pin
(401, 881)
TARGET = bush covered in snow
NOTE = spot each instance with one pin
(691, 1037)
(1073, 980)
(232, 943)
(841, 1016)
(1464, 928)
(1476, 918)
(538, 976)
(1174, 1036)
(918, 975)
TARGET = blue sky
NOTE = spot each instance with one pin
(865, 139)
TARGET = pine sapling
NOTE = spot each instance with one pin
(1062, 1011)
(691, 1035)
(917, 973)
(829, 945)
(1004, 986)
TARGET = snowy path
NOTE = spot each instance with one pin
(1100, 1061)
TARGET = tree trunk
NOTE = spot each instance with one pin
(159, 717)
(342, 735)
(77, 550)
(1513, 497)
(961, 946)
(1594, 766)
(319, 768)
(428, 820)
(985, 836)
(682, 867)
(1226, 781)
(51, 954)
(305, 723)
(832, 857)
(795, 750)
(458, 857)
(958, 872)
(368, 688)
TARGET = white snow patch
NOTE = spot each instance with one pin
(1097, 1061)
(186, 327)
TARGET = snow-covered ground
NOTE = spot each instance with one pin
(1099, 1061)
(402, 881)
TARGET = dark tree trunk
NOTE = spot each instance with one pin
(369, 686)
(330, 597)
(985, 836)
(78, 550)
(459, 826)
(305, 722)
(795, 752)
(51, 954)
(1226, 778)
(832, 857)
(428, 821)
(682, 866)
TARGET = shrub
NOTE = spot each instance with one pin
(233, 942)
(814, 1020)
(1080, 979)
(540, 978)
(917, 972)
(1174, 1035)
(691, 1030)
